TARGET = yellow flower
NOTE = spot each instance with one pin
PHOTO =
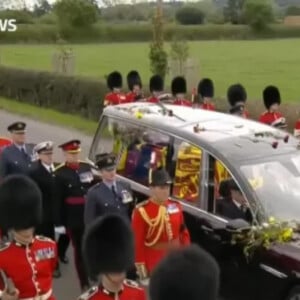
(138, 115)
(271, 220)
(287, 234)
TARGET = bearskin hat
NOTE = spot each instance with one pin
(20, 203)
(178, 85)
(188, 273)
(108, 246)
(156, 83)
(271, 95)
(114, 80)
(133, 78)
(236, 93)
(206, 88)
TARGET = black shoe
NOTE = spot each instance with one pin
(56, 273)
(64, 260)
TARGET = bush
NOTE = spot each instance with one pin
(258, 14)
(75, 13)
(21, 16)
(73, 95)
(48, 19)
(189, 16)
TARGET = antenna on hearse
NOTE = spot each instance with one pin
(168, 112)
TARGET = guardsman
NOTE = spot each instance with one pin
(108, 251)
(109, 196)
(16, 158)
(134, 83)
(272, 101)
(237, 97)
(42, 172)
(297, 129)
(4, 142)
(28, 260)
(178, 87)
(156, 86)
(158, 226)
(114, 83)
(206, 94)
(74, 178)
(189, 273)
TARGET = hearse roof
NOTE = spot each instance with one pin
(224, 135)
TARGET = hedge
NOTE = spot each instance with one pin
(84, 96)
(47, 33)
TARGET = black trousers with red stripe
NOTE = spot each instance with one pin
(76, 235)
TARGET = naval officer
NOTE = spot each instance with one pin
(16, 158)
(109, 196)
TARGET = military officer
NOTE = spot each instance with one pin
(206, 94)
(108, 251)
(189, 273)
(28, 260)
(156, 86)
(111, 195)
(272, 101)
(158, 225)
(178, 87)
(114, 83)
(134, 83)
(16, 158)
(73, 179)
(237, 97)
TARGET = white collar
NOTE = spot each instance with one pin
(237, 204)
(48, 167)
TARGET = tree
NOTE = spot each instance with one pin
(258, 14)
(42, 7)
(179, 52)
(75, 13)
(233, 11)
(158, 56)
(189, 16)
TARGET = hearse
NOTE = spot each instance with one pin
(263, 161)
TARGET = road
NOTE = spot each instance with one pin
(66, 287)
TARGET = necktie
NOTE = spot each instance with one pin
(24, 152)
(113, 189)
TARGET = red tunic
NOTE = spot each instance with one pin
(152, 99)
(269, 117)
(114, 99)
(206, 106)
(30, 267)
(182, 102)
(157, 229)
(130, 291)
(297, 128)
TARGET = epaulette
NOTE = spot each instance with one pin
(132, 284)
(89, 293)
(44, 238)
(59, 166)
(143, 203)
(4, 245)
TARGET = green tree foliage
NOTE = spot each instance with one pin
(189, 15)
(22, 16)
(41, 8)
(293, 11)
(233, 12)
(158, 56)
(75, 13)
(258, 14)
(179, 52)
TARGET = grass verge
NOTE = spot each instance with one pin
(48, 116)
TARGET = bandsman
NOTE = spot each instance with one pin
(206, 94)
(27, 260)
(158, 226)
(108, 251)
(272, 101)
(156, 86)
(189, 273)
(179, 89)
(134, 83)
(237, 97)
(115, 83)
(73, 179)
(16, 158)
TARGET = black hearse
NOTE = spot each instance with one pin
(264, 162)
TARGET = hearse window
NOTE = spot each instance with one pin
(139, 150)
(186, 172)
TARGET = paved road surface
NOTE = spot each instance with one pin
(66, 287)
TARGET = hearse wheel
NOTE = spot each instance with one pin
(294, 294)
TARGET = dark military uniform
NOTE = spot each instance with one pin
(105, 198)
(73, 181)
(16, 159)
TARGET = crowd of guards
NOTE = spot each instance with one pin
(203, 98)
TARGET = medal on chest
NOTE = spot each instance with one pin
(126, 197)
(44, 254)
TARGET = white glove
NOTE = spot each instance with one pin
(144, 282)
(60, 230)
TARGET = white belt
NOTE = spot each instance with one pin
(41, 297)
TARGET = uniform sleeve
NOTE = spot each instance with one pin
(185, 238)
(139, 230)
(3, 164)
(91, 212)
